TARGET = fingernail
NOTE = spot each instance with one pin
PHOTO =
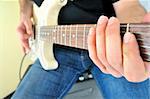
(127, 37)
(111, 20)
(102, 19)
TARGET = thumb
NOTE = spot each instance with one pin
(130, 45)
(134, 69)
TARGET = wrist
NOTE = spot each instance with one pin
(26, 9)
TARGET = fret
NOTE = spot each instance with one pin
(141, 43)
(62, 32)
(63, 38)
(70, 35)
(55, 34)
(65, 34)
(76, 36)
(39, 32)
(84, 36)
(144, 46)
(46, 35)
(49, 34)
(52, 34)
(61, 35)
(58, 36)
(73, 36)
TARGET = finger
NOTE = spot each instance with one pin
(25, 44)
(92, 50)
(147, 66)
(113, 45)
(100, 40)
(100, 45)
(23, 38)
(28, 26)
(134, 69)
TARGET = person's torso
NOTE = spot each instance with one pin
(84, 11)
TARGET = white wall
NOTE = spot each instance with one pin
(10, 50)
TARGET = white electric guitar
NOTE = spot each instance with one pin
(47, 32)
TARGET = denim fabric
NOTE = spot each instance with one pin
(54, 84)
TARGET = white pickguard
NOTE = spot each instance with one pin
(45, 15)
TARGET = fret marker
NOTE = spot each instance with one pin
(63, 35)
(54, 30)
(54, 38)
(73, 36)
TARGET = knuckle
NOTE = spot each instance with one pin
(131, 77)
(103, 59)
(115, 62)
(101, 56)
(92, 56)
(114, 73)
(117, 75)
(111, 62)
(104, 71)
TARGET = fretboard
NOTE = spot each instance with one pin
(76, 35)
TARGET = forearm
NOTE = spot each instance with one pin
(129, 11)
(26, 7)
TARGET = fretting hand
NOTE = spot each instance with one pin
(24, 28)
(113, 56)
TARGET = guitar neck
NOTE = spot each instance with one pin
(68, 35)
(76, 35)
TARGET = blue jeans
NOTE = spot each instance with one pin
(54, 84)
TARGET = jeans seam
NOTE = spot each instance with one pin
(67, 88)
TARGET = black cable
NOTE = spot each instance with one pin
(21, 64)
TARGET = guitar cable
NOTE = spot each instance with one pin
(21, 65)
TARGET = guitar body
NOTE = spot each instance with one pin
(46, 15)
